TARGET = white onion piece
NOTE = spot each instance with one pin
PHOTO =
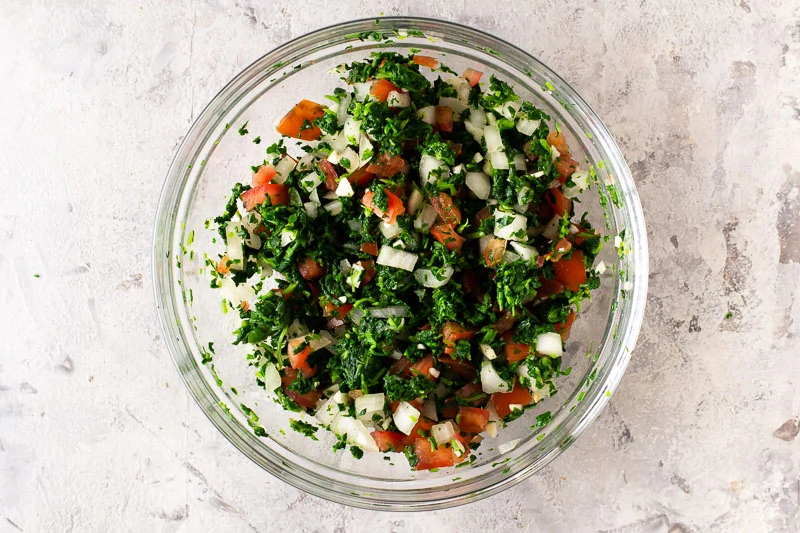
(427, 114)
(294, 197)
(306, 162)
(427, 165)
(414, 201)
(357, 433)
(479, 184)
(311, 209)
(283, 169)
(356, 315)
(477, 117)
(491, 381)
(550, 231)
(520, 208)
(483, 242)
(327, 411)
(549, 344)
(455, 104)
(494, 142)
(311, 181)
(338, 142)
(425, 218)
(509, 109)
(344, 188)
(396, 99)
(296, 329)
(334, 208)
(390, 231)
(396, 355)
(600, 268)
(427, 278)
(352, 131)
(362, 90)
(352, 157)
(236, 294)
(460, 85)
(393, 311)
(510, 257)
(493, 416)
(406, 417)
(519, 163)
(525, 252)
(365, 150)
(345, 266)
(488, 352)
(368, 405)
(341, 109)
(429, 409)
(475, 131)
(554, 152)
(498, 160)
(354, 276)
(235, 250)
(508, 446)
(509, 226)
(272, 379)
(492, 429)
(288, 237)
(581, 180)
(391, 257)
(443, 433)
(527, 126)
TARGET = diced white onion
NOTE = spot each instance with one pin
(491, 381)
(515, 407)
(427, 114)
(311, 181)
(314, 196)
(427, 165)
(283, 169)
(236, 294)
(525, 252)
(425, 218)
(294, 197)
(406, 417)
(508, 226)
(477, 158)
(357, 433)
(520, 208)
(509, 109)
(510, 257)
(345, 266)
(492, 429)
(549, 344)
(443, 433)
(365, 150)
(311, 209)
(528, 127)
(362, 90)
(488, 352)
(414, 201)
(338, 143)
(344, 188)
(356, 315)
(508, 446)
(352, 157)
(306, 162)
(296, 329)
(494, 142)
(479, 184)
(483, 242)
(455, 104)
(396, 99)
(272, 379)
(475, 131)
(554, 152)
(550, 230)
(390, 231)
(427, 278)
(600, 268)
(327, 411)
(519, 163)
(317, 341)
(354, 276)
(498, 160)
(434, 372)
(288, 237)
(581, 180)
(235, 250)
(368, 405)
(477, 117)
(334, 208)
(493, 416)
(460, 85)
(352, 131)
(393, 311)
(341, 109)
(391, 257)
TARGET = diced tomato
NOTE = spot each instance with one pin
(297, 359)
(452, 332)
(337, 311)
(505, 323)
(447, 209)
(519, 395)
(515, 351)
(381, 89)
(396, 206)
(308, 400)
(560, 203)
(565, 166)
(472, 393)
(423, 367)
(369, 270)
(310, 270)
(387, 165)
(370, 248)
(548, 288)
(446, 235)
(425, 61)
(557, 140)
(560, 249)
(449, 409)
(331, 177)
(494, 252)
(314, 290)
(388, 441)
(295, 123)
(360, 177)
(472, 419)
(428, 458)
(564, 328)
(581, 234)
(263, 175)
(278, 195)
(469, 280)
(444, 118)
(458, 459)
(421, 430)
(455, 147)
(460, 368)
(472, 76)
(571, 272)
(224, 265)
(400, 367)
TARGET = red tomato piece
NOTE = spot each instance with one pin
(425, 61)
(337, 311)
(557, 140)
(308, 400)
(560, 203)
(428, 458)
(370, 248)
(331, 177)
(422, 428)
(387, 165)
(469, 280)
(494, 252)
(278, 195)
(564, 328)
(446, 235)
(505, 323)
(295, 123)
(519, 395)
(423, 367)
(263, 175)
(472, 419)
(396, 206)
(473, 394)
(447, 209)
(388, 441)
(548, 288)
(571, 272)
(515, 351)
(310, 270)
(297, 358)
(472, 76)
(444, 118)
(565, 166)
(461, 368)
(224, 265)
(381, 89)
(360, 177)
(369, 271)
(401, 367)
(452, 332)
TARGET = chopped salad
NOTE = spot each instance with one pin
(410, 275)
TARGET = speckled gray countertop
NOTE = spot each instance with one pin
(96, 430)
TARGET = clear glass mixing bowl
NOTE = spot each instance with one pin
(214, 156)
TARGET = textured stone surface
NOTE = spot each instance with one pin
(96, 430)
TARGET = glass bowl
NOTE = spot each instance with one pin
(213, 157)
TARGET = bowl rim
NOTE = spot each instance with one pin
(412, 499)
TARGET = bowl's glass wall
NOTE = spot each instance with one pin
(214, 157)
